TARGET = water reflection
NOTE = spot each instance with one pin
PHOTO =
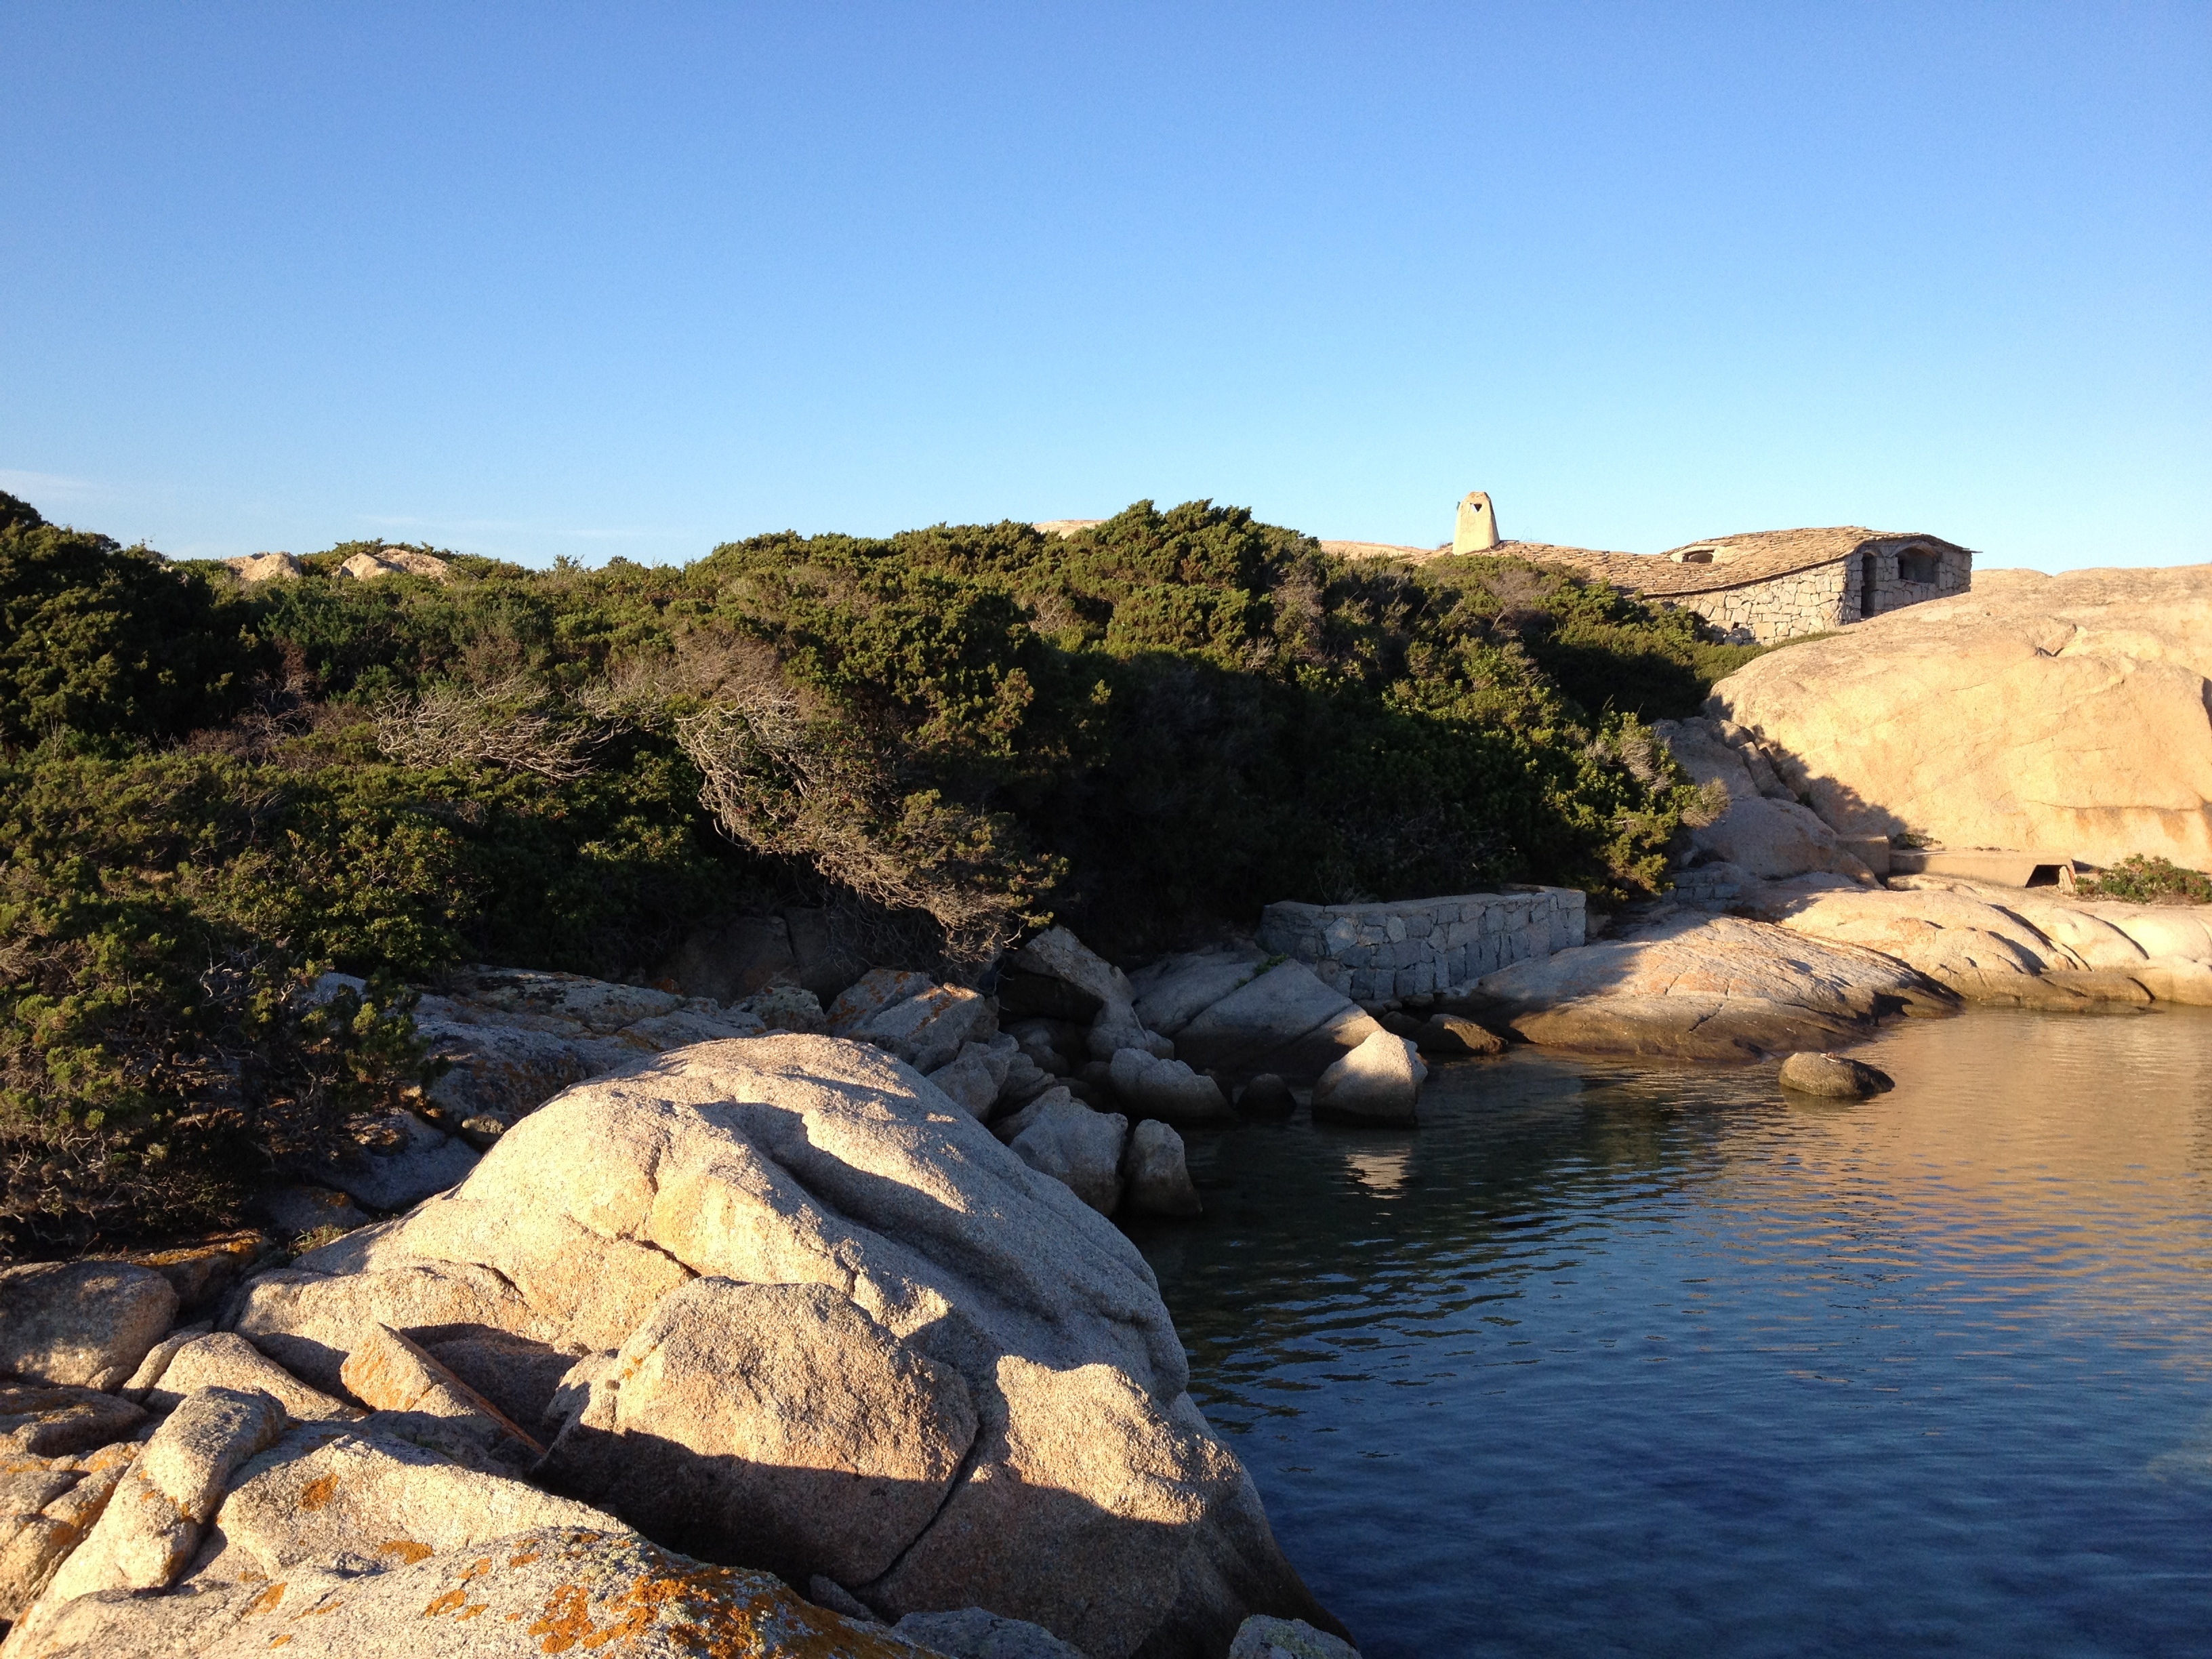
(1611, 1358)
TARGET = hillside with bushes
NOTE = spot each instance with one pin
(211, 792)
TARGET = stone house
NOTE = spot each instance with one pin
(1761, 586)
(1779, 584)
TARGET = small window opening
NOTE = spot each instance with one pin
(2044, 875)
(1919, 564)
(1694, 555)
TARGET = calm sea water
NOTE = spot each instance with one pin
(1612, 1359)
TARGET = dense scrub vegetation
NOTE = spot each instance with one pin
(211, 792)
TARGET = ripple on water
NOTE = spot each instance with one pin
(1615, 1358)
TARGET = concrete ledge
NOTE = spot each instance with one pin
(2000, 866)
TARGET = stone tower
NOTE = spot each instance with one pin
(1477, 529)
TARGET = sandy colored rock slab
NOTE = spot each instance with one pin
(147, 1533)
(1690, 1025)
(395, 562)
(2065, 712)
(388, 1373)
(201, 1271)
(50, 1419)
(1723, 959)
(329, 1497)
(601, 1592)
(929, 1031)
(869, 995)
(308, 1320)
(773, 1424)
(266, 566)
(222, 1359)
(83, 1323)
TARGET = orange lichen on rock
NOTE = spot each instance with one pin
(319, 1491)
(406, 1549)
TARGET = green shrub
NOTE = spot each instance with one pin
(2143, 880)
(952, 734)
(110, 642)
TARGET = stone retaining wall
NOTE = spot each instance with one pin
(1418, 947)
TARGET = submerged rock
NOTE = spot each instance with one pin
(1835, 1076)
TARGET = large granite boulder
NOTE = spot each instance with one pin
(1094, 1500)
(776, 1425)
(2062, 713)
(84, 1323)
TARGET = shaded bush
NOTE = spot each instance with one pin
(108, 641)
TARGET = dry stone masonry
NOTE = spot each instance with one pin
(1422, 947)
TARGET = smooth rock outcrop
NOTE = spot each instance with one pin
(1261, 1637)
(46, 1508)
(395, 562)
(84, 1323)
(1078, 1147)
(1175, 990)
(2062, 712)
(598, 1591)
(2010, 945)
(1284, 1021)
(393, 1376)
(1452, 1035)
(1708, 987)
(973, 1633)
(1766, 832)
(929, 1029)
(1378, 1082)
(776, 1425)
(1057, 975)
(1157, 1174)
(1167, 1089)
(1834, 1076)
(1094, 1502)
(973, 1079)
(513, 1038)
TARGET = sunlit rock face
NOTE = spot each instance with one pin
(2066, 713)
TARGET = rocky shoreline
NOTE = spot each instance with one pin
(807, 1328)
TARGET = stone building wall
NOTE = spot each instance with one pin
(1816, 601)
(1954, 574)
(1420, 947)
(1831, 596)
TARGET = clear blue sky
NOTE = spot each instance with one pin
(545, 279)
